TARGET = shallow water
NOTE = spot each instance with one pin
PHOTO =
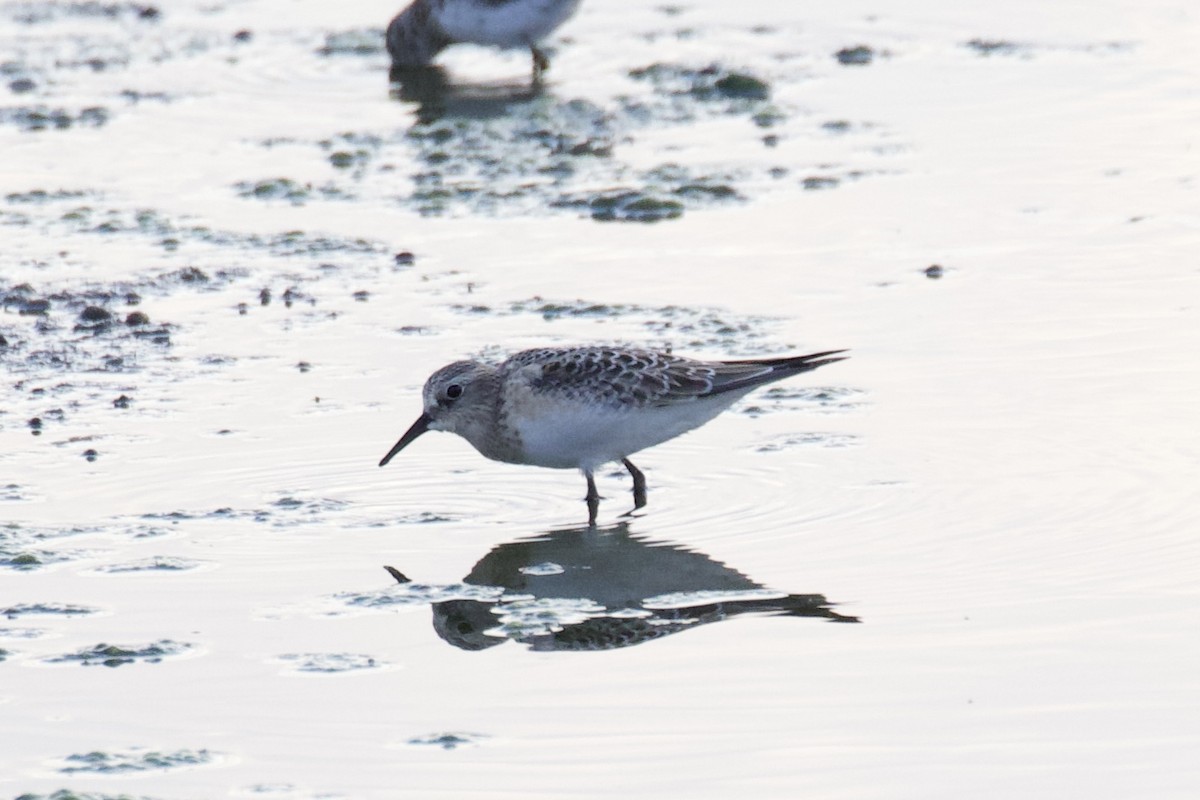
(998, 486)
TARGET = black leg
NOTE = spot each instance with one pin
(593, 499)
(541, 63)
(639, 483)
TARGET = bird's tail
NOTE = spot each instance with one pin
(742, 376)
(795, 364)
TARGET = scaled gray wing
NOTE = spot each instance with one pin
(643, 377)
(620, 375)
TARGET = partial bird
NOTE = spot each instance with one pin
(425, 28)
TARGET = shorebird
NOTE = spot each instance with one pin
(425, 28)
(582, 407)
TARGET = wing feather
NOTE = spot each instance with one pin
(641, 378)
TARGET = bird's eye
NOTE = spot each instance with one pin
(454, 391)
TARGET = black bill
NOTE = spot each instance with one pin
(418, 427)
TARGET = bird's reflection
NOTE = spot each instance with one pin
(603, 588)
(436, 96)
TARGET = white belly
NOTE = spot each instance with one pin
(568, 436)
(516, 23)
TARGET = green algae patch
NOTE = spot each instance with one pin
(625, 207)
(741, 86)
(275, 189)
(46, 609)
(709, 83)
(447, 741)
(100, 762)
(42, 118)
(635, 207)
(111, 655)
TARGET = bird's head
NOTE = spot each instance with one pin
(458, 398)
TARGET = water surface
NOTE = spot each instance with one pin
(961, 563)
